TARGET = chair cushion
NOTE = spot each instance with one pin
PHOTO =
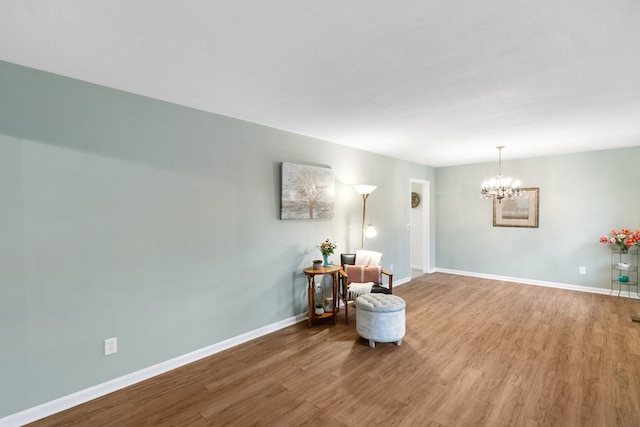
(379, 289)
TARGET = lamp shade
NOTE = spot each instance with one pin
(365, 189)
(370, 231)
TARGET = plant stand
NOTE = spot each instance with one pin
(624, 270)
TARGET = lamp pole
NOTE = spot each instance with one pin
(364, 190)
(364, 212)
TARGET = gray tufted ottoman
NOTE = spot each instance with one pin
(380, 317)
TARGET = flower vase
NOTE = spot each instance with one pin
(624, 255)
(327, 263)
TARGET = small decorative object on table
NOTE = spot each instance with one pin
(319, 309)
(317, 264)
(326, 248)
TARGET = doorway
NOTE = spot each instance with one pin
(419, 227)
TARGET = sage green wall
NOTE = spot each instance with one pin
(159, 224)
(582, 197)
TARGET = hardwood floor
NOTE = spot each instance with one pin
(477, 352)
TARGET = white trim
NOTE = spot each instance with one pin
(401, 282)
(425, 192)
(534, 282)
(82, 396)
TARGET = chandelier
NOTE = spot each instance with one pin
(500, 186)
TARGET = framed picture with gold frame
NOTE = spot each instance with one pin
(521, 211)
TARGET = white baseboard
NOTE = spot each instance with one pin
(399, 282)
(82, 396)
(430, 270)
(534, 282)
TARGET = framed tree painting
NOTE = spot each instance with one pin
(308, 192)
(521, 211)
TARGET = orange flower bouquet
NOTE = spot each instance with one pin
(624, 238)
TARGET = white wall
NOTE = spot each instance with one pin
(157, 224)
(582, 197)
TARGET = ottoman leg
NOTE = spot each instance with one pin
(372, 344)
(399, 341)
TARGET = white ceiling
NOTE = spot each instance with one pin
(437, 82)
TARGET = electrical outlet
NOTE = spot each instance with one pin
(582, 270)
(110, 346)
(391, 267)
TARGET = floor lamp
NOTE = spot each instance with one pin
(364, 190)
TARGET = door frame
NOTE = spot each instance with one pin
(424, 238)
